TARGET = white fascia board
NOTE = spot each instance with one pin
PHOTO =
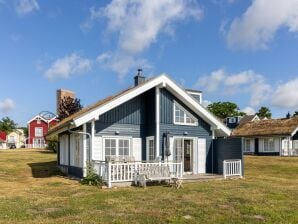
(165, 82)
(96, 112)
(294, 132)
(37, 116)
(196, 107)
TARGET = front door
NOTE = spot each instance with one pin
(188, 148)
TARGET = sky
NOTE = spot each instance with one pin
(233, 50)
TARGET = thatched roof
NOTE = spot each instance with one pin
(269, 127)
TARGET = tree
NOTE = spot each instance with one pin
(295, 114)
(69, 106)
(264, 112)
(225, 109)
(7, 125)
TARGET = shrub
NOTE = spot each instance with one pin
(91, 178)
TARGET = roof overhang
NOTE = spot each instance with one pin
(162, 81)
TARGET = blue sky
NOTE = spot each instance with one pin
(229, 49)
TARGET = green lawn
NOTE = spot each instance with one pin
(31, 191)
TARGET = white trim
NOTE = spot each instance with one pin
(193, 93)
(149, 138)
(157, 121)
(170, 85)
(92, 135)
(176, 104)
(85, 150)
(117, 138)
(294, 132)
(38, 116)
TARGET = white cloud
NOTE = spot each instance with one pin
(249, 110)
(138, 25)
(25, 7)
(6, 105)
(243, 82)
(286, 95)
(67, 66)
(258, 25)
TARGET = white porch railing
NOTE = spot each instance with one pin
(126, 172)
(232, 168)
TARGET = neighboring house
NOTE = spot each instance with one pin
(16, 138)
(37, 129)
(233, 122)
(2, 140)
(269, 136)
(154, 121)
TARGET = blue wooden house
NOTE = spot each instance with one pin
(154, 122)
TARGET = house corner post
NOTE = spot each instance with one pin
(157, 120)
(84, 151)
(92, 139)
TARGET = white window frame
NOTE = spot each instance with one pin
(186, 113)
(232, 120)
(117, 145)
(245, 145)
(295, 144)
(148, 139)
(40, 128)
(269, 149)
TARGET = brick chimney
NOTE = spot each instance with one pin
(61, 93)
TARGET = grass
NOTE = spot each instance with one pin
(33, 191)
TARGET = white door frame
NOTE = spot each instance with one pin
(191, 154)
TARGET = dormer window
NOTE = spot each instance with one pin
(232, 120)
(182, 116)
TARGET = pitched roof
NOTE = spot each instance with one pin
(247, 118)
(85, 110)
(100, 107)
(267, 127)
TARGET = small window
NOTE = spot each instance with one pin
(38, 121)
(123, 148)
(183, 117)
(110, 147)
(232, 120)
(150, 149)
(38, 132)
(117, 147)
(268, 145)
(247, 145)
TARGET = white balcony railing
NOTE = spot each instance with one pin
(126, 172)
(232, 168)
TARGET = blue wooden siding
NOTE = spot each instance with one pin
(167, 125)
(225, 149)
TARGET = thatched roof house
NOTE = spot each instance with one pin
(269, 127)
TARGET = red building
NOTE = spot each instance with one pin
(37, 129)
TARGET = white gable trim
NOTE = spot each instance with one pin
(166, 82)
(37, 116)
(294, 132)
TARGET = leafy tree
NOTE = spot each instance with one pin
(295, 114)
(264, 112)
(25, 129)
(69, 106)
(7, 125)
(225, 109)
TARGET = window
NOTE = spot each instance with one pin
(178, 150)
(150, 149)
(247, 145)
(38, 132)
(38, 121)
(232, 120)
(295, 144)
(268, 144)
(110, 147)
(117, 147)
(181, 116)
(123, 147)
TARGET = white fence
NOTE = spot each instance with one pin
(232, 168)
(126, 172)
